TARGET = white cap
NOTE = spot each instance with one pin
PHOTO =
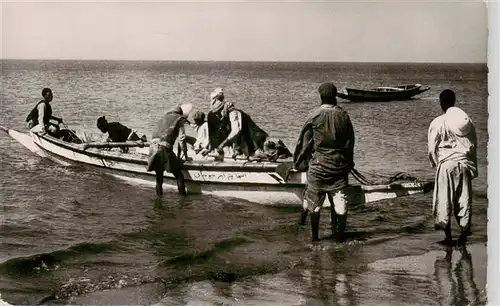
(186, 109)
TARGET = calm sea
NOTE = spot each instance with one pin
(72, 235)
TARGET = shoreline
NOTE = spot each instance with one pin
(445, 271)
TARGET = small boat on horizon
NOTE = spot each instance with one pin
(269, 183)
(382, 93)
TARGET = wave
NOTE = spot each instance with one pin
(79, 286)
(49, 261)
(202, 266)
(192, 258)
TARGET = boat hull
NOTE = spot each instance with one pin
(259, 182)
(357, 95)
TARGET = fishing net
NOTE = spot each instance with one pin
(367, 178)
(364, 178)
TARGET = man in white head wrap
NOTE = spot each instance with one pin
(216, 99)
(452, 145)
(216, 129)
(232, 127)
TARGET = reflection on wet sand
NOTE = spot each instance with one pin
(456, 285)
(327, 273)
(435, 278)
(324, 283)
(260, 291)
(445, 277)
(332, 277)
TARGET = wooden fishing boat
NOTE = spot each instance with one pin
(383, 93)
(263, 182)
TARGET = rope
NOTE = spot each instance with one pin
(400, 176)
(71, 132)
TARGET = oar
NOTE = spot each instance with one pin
(128, 144)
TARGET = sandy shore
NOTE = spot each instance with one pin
(439, 277)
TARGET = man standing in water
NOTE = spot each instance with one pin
(326, 148)
(161, 149)
(452, 145)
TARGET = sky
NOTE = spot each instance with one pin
(330, 31)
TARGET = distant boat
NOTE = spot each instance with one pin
(383, 93)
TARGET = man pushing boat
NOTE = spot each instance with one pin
(325, 149)
(161, 149)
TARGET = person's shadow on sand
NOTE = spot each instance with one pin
(456, 284)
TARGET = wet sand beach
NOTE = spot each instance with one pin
(456, 275)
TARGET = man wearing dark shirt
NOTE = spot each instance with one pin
(325, 149)
(161, 150)
(39, 118)
(117, 132)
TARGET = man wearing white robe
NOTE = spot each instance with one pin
(452, 145)
(202, 139)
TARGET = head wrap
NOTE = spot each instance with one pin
(216, 105)
(458, 121)
(186, 109)
(217, 93)
(216, 99)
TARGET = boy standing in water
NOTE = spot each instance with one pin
(452, 145)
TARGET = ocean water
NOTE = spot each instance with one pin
(76, 236)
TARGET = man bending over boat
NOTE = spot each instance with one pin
(117, 132)
(233, 127)
(325, 149)
(161, 149)
(38, 119)
(217, 132)
(452, 145)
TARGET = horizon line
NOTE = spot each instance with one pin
(234, 61)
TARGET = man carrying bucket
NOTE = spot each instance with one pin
(161, 150)
(325, 149)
